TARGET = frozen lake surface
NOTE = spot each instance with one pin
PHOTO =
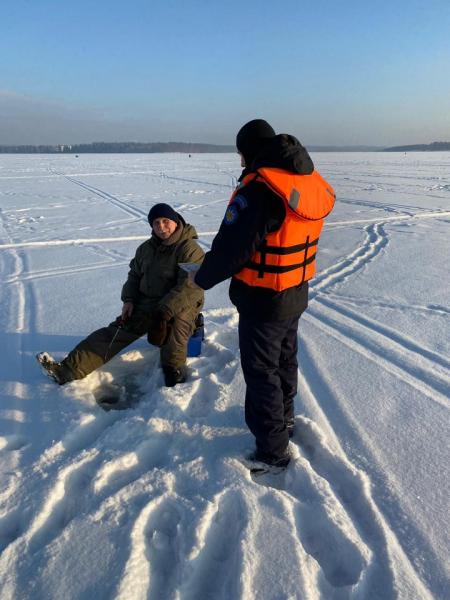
(154, 501)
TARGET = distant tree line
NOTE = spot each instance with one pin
(29, 149)
(192, 148)
(435, 146)
(117, 147)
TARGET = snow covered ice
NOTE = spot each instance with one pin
(154, 501)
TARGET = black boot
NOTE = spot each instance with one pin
(172, 376)
(260, 462)
(53, 369)
(268, 459)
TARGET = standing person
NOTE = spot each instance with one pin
(267, 244)
(157, 301)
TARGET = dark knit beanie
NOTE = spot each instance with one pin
(252, 137)
(163, 211)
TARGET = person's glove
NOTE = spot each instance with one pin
(127, 310)
(159, 328)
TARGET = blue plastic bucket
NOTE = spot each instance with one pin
(194, 347)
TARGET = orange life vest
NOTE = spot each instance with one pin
(287, 257)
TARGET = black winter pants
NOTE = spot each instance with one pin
(269, 363)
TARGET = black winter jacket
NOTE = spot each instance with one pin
(256, 212)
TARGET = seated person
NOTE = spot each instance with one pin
(157, 301)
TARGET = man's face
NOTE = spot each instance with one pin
(164, 227)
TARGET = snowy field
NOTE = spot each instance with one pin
(154, 501)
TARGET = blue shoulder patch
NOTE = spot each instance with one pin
(231, 215)
(241, 201)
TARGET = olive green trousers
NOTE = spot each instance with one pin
(101, 345)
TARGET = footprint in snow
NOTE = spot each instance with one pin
(10, 529)
(128, 467)
(163, 549)
(327, 534)
(352, 490)
(218, 561)
(63, 503)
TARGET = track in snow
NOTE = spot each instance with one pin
(422, 369)
(127, 208)
(193, 523)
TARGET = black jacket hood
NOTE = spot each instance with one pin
(283, 152)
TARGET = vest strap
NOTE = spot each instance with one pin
(291, 249)
(305, 255)
(262, 264)
(280, 269)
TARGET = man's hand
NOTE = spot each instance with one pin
(127, 310)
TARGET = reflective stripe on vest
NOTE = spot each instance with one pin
(286, 257)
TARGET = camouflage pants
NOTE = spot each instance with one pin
(101, 345)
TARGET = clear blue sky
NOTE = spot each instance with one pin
(328, 71)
